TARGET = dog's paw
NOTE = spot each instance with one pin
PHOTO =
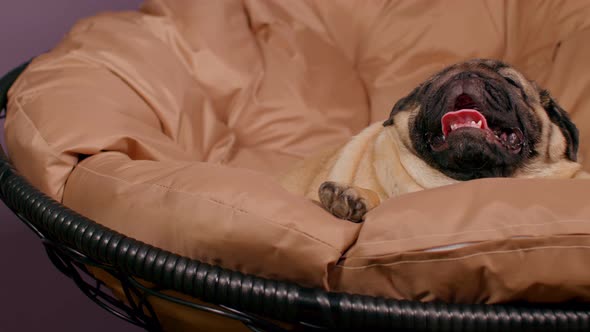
(343, 201)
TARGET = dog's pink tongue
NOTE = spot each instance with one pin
(463, 118)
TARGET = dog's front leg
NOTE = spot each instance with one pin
(347, 202)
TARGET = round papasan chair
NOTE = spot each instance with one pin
(144, 149)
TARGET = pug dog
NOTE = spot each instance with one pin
(476, 119)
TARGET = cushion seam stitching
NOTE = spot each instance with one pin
(486, 230)
(439, 260)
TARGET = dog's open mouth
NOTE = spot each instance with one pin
(466, 116)
(463, 118)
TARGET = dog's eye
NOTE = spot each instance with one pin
(512, 82)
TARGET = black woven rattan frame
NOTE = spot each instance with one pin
(74, 242)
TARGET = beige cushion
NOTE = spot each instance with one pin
(169, 125)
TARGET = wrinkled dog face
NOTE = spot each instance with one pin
(482, 118)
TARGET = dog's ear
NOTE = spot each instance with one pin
(402, 105)
(561, 118)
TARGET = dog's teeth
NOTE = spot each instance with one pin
(472, 123)
(454, 126)
(512, 138)
(479, 123)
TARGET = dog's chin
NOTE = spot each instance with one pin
(471, 153)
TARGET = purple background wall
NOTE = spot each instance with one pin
(34, 295)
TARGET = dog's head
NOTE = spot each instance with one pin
(482, 118)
